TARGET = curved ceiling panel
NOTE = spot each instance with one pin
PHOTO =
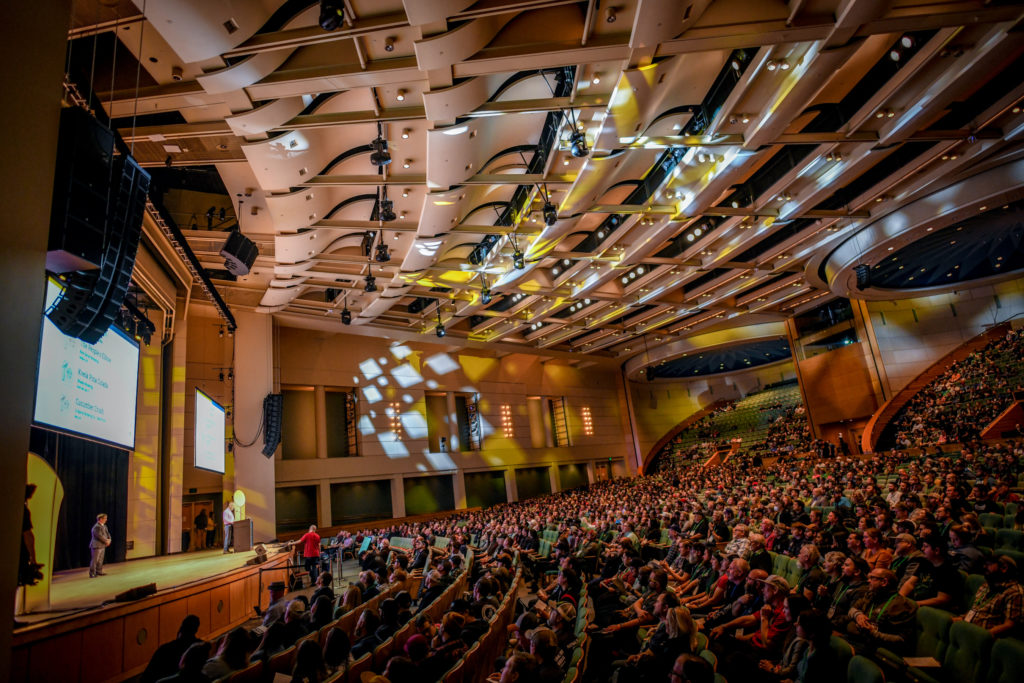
(203, 29)
(445, 49)
(270, 115)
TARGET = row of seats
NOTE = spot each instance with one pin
(965, 653)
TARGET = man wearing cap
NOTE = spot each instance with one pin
(907, 559)
(999, 604)
(882, 617)
(740, 544)
(275, 611)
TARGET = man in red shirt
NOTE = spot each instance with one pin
(310, 542)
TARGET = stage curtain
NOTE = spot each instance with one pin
(95, 479)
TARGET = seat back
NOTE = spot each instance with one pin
(932, 632)
(1007, 662)
(1008, 538)
(971, 587)
(250, 674)
(863, 670)
(709, 657)
(1017, 555)
(990, 519)
(842, 650)
(966, 659)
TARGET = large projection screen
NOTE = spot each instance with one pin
(87, 390)
(209, 434)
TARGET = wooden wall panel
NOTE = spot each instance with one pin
(239, 607)
(837, 385)
(199, 605)
(220, 608)
(103, 651)
(171, 614)
(56, 659)
(141, 626)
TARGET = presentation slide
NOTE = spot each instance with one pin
(209, 433)
(87, 389)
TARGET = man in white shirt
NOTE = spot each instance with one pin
(229, 519)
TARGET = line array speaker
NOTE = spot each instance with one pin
(273, 407)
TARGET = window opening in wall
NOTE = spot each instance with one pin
(507, 426)
(395, 417)
(559, 423)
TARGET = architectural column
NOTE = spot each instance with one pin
(452, 420)
(635, 460)
(866, 333)
(591, 473)
(459, 488)
(320, 420)
(511, 489)
(323, 508)
(556, 478)
(254, 379)
(795, 350)
(34, 48)
(172, 463)
(397, 496)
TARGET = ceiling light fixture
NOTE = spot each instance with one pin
(610, 15)
(405, 133)
(400, 96)
(578, 144)
(346, 315)
(371, 283)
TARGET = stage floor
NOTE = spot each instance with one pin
(73, 590)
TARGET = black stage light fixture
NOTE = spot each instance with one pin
(387, 211)
(518, 262)
(485, 296)
(439, 330)
(346, 316)
(863, 272)
(380, 156)
(371, 284)
(332, 14)
(550, 214)
(382, 254)
(578, 144)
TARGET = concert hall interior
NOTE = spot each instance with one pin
(544, 271)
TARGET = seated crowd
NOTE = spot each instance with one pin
(762, 567)
(968, 396)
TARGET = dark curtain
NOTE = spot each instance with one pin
(95, 479)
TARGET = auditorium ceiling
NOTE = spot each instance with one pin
(569, 177)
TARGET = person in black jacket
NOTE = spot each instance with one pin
(167, 658)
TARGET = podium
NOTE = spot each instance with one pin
(242, 532)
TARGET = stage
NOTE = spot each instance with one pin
(73, 590)
(218, 588)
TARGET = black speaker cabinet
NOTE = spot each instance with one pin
(239, 253)
(273, 407)
(81, 187)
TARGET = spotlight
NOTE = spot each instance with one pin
(895, 55)
(405, 133)
(380, 156)
(907, 42)
(439, 330)
(401, 95)
(371, 284)
(389, 44)
(610, 15)
(346, 316)
(518, 262)
(550, 214)
(485, 296)
(332, 14)
(387, 211)
(578, 144)
(382, 254)
(771, 65)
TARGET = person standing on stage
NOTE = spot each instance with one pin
(98, 545)
(229, 519)
(200, 524)
(311, 552)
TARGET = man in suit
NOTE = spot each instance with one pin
(98, 545)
